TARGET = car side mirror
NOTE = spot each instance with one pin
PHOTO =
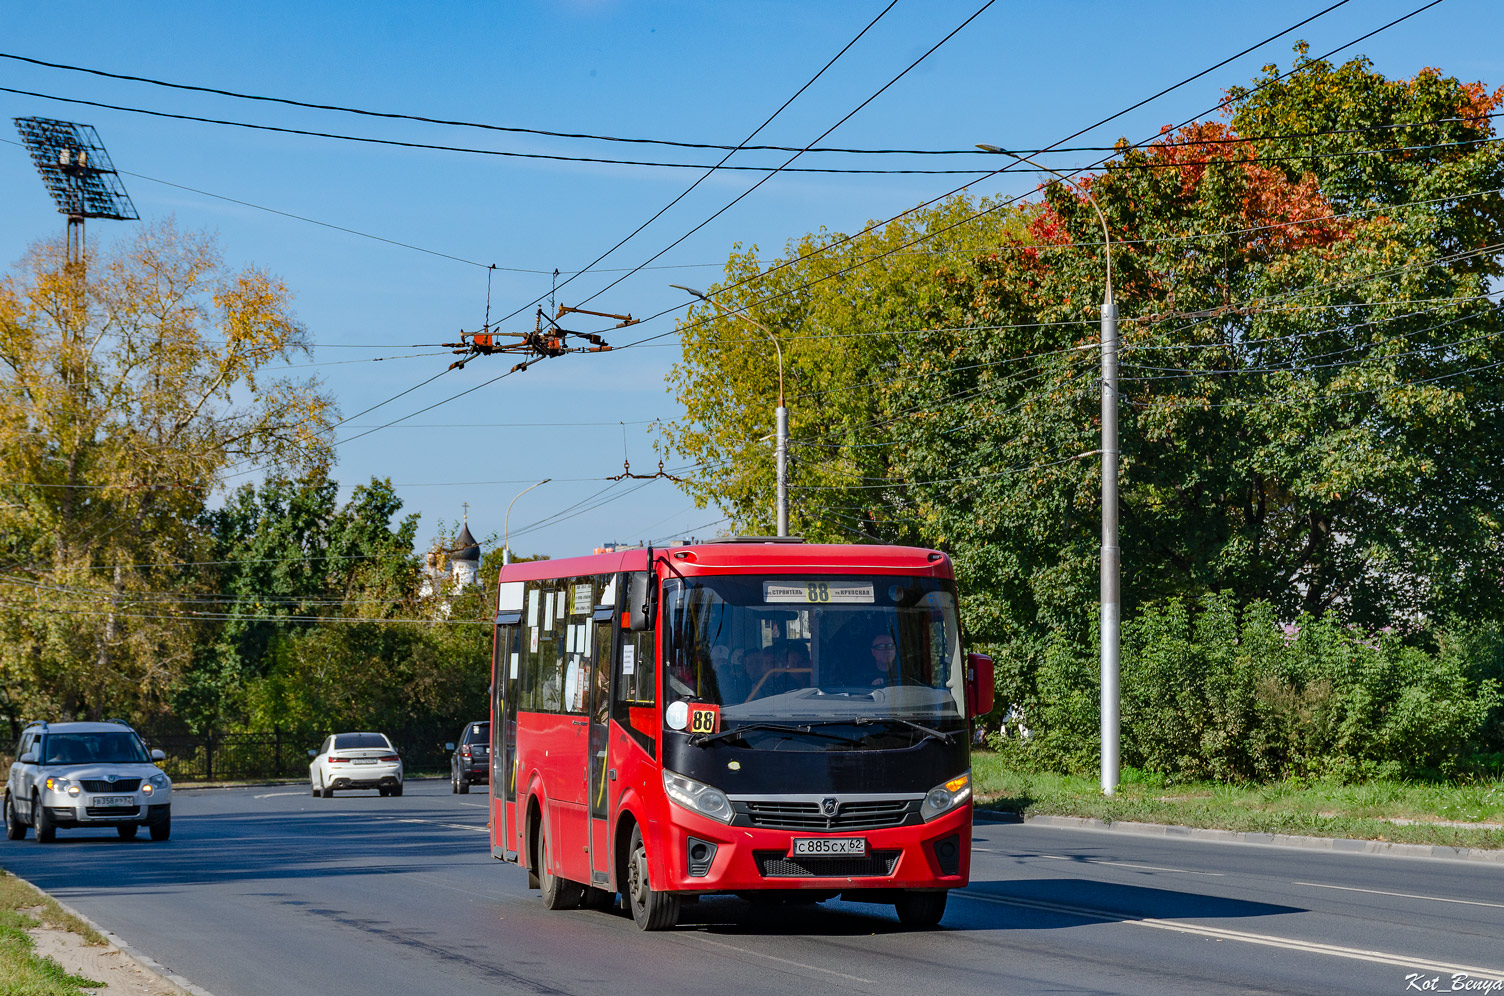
(449, 746)
(30, 757)
(157, 754)
(980, 690)
(312, 752)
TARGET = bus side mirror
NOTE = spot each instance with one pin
(637, 614)
(979, 686)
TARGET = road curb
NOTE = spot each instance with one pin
(1344, 845)
(146, 962)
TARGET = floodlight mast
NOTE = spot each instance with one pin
(78, 174)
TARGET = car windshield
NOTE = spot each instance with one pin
(864, 649)
(346, 741)
(110, 747)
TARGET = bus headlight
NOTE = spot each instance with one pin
(943, 798)
(697, 796)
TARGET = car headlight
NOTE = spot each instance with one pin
(943, 798)
(57, 783)
(697, 796)
(154, 784)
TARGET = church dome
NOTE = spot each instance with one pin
(465, 546)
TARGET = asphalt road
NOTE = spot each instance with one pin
(270, 891)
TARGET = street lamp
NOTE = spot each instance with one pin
(506, 523)
(1112, 606)
(781, 414)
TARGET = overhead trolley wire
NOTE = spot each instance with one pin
(660, 212)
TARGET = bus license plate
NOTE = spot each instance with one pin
(829, 847)
(113, 800)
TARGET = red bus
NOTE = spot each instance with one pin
(742, 716)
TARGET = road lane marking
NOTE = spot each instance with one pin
(1125, 864)
(1248, 937)
(785, 961)
(274, 795)
(1403, 895)
(438, 823)
(477, 805)
(1154, 868)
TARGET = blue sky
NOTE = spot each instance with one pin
(1021, 75)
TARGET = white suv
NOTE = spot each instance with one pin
(69, 775)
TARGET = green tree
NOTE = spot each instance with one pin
(849, 314)
(285, 555)
(125, 396)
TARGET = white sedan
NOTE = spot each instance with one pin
(355, 761)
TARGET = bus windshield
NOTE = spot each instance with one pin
(813, 648)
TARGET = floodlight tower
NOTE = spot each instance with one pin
(78, 174)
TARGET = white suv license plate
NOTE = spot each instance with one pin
(113, 800)
(829, 847)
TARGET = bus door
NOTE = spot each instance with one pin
(570, 770)
(504, 670)
(603, 623)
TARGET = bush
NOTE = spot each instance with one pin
(1211, 692)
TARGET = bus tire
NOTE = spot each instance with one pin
(921, 909)
(558, 893)
(651, 909)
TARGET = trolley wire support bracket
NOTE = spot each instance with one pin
(627, 472)
(541, 343)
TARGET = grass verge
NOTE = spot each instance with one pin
(22, 971)
(1400, 812)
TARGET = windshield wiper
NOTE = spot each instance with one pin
(948, 738)
(701, 739)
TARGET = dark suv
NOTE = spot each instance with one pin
(470, 764)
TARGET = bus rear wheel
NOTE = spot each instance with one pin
(921, 909)
(651, 909)
(558, 893)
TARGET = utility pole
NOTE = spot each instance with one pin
(1111, 575)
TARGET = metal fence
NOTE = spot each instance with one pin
(214, 757)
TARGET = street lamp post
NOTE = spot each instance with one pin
(781, 415)
(506, 523)
(1111, 592)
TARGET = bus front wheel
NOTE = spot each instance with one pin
(651, 909)
(921, 909)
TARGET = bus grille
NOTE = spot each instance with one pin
(860, 815)
(777, 864)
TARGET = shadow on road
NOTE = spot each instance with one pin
(234, 847)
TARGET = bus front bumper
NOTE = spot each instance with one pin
(705, 856)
